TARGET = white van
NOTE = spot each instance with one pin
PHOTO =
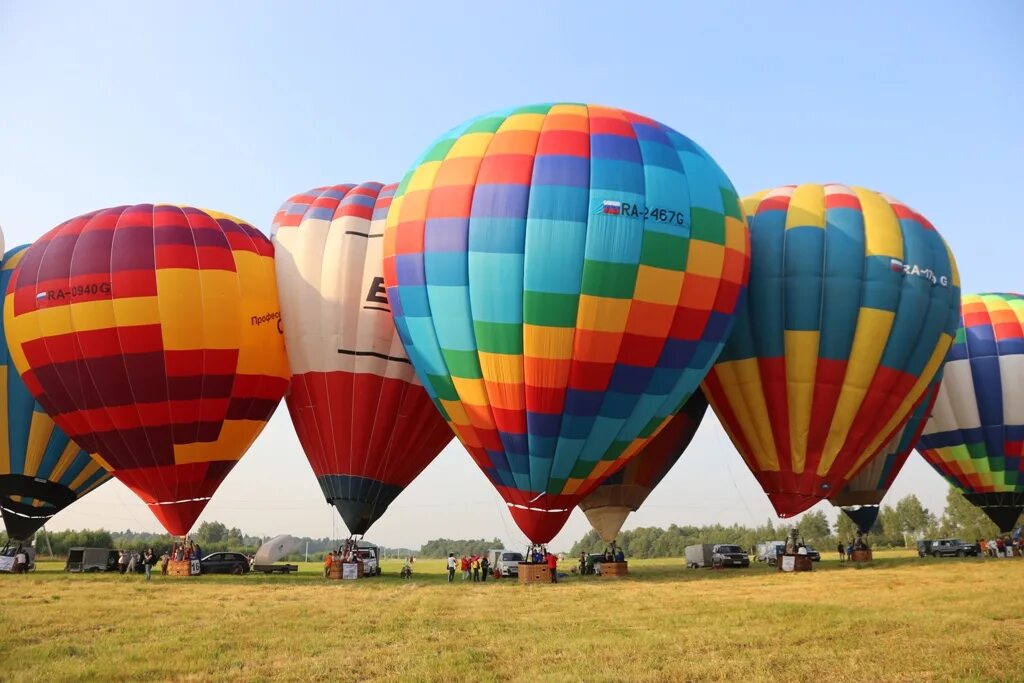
(505, 562)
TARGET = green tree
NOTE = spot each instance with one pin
(914, 518)
(814, 528)
(211, 532)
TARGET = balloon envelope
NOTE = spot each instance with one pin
(975, 437)
(625, 491)
(365, 423)
(852, 305)
(862, 495)
(42, 471)
(150, 335)
(562, 276)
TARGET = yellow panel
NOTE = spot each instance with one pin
(5, 441)
(705, 259)
(882, 233)
(741, 383)
(602, 314)
(736, 234)
(470, 145)
(90, 315)
(574, 109)
(199, 309)
(873, 327)
(548, 342)
(658, 285)
(806, 207)
(801, 367)
(71, 452)
(471, 391)
(17, 333)
(525, 121)
(501, 367)
(39, 432)
(423, 177)
(456, 413)
(103, 463)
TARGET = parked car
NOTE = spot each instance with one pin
(952, 547)
(595, 560)
(505, 562)
(369, 555)
(719, 554)
(766, 552)
(91, 560)
(813, 554)
(224, 563)
(11, 552)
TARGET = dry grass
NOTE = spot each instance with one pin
(902, 619)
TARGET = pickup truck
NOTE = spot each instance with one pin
(950, 547)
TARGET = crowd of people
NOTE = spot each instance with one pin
(1002, 546)
(473, 567)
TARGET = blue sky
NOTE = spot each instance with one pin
(236, 106)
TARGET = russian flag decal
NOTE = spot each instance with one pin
(611, 208)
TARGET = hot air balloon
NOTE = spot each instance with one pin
(151, 335)
(852, 306)
(625, 491)
(366, 424)
(862, 495)
(562, 276)
(975, 437)
(42, 471)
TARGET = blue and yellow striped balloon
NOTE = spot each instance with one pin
(42, 471)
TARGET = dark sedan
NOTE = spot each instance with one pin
(225, 563)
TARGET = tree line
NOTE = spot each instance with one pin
(898, 525)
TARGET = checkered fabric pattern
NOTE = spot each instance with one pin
(562, 277)
(151, 335)
(852, 306)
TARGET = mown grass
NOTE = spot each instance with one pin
(902, 619)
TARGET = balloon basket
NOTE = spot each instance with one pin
(862, 556)
(183, 568)
(614, 570)
(346, 571)
(534, 573)
(794, 563)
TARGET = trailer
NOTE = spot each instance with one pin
(89, 560)
(699, 555)
(273, 551)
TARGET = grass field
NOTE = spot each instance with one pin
(901, 619)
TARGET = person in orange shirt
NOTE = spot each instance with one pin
(328, 563)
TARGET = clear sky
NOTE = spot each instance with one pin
(236, 106)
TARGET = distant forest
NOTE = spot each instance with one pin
(897, 526)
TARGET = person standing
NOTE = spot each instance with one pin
(122, 562)
(583, 563)
(132, 562)
(552, 561)
(148, 560)
(328, 563)
(164, 561)
(842, 552)
(476, 568)
(451, 567)
(21, 561)
(464, 566)
(485, 566)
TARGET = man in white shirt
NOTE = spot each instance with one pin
(452, 562)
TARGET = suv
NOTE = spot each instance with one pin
(813, 554)
(952, 547)
(728, 555)
(225, 563)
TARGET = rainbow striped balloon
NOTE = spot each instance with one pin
(975, 437)
(562, 277)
